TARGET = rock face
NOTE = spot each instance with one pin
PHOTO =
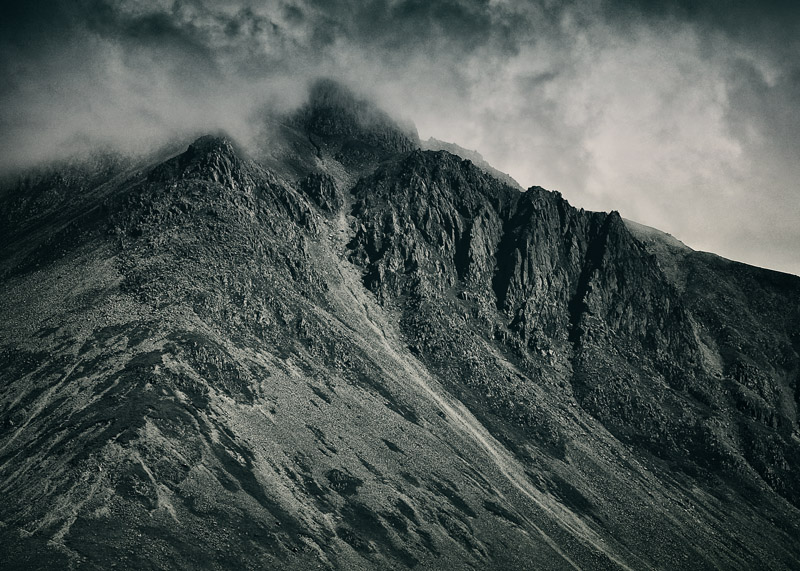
(351, 353)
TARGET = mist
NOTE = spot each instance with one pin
(682, 117)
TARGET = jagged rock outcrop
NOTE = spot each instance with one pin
(324, 191)
(417, 216)
(355, 354)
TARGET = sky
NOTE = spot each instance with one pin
(682, 115)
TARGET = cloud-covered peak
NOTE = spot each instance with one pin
(341, 117)
(675, 113)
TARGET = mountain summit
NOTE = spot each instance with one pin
(344, 352)
(354, 128)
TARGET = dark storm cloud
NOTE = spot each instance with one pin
(680, 114)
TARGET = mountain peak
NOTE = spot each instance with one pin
(350, 127)
(208, 157)
(208, 144)
(326, 92)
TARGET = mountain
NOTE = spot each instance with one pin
(339, 351)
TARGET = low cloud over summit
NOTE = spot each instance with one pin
(681, 116)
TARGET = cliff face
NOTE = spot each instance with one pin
(579, 296)
(350, 353)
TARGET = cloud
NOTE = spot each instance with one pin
(682, 115)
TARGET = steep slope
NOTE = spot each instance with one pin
(584, 312)
(748, 328)
(345, 352)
